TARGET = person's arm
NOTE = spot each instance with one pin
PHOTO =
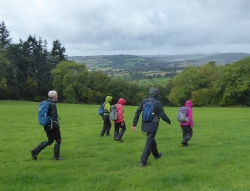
(190, 117)
(137, 115)
(120, 113)
(162, 114)
(54, 115)
(53, 112)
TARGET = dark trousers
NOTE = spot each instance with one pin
(53, 135)
(187, 133)
(150, 146)
(118, 134)
(106, 125)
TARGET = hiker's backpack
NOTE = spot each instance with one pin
(182, 114)
(148, 111)
(101, 110)
(113, 115)
(43, 117)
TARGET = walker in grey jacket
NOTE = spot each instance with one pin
(150, 127)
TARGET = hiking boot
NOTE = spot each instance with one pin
(119, 139)
(159, 156)
(184, 144)
(143, 165)
(58, 158)
(33, 154)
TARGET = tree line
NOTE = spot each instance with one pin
(25, 67)
(28, 71)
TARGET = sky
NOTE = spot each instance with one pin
(135, 27)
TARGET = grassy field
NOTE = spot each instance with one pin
(216, 160)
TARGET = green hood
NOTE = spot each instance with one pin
(108, 99)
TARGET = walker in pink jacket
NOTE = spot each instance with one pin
(190, 122)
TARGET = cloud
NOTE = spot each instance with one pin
(87, 27)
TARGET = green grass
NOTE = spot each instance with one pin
(217, 158)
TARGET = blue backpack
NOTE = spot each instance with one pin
(43, 117)
(101, 110)
(148, 111)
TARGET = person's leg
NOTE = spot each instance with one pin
(57, 146)
(123, 129)
(116, 133)
(148, 148)
(34, 152)
(155, 152)
(105, 124)
(108, 127)
(183, 132)
(189, 133)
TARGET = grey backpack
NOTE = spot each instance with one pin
(113, 113)
(182, 114)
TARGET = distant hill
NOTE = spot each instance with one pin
(154, 62)
(201, 59)
(181, 57)
(225, 58)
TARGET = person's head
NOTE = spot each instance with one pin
(53, 95)
(108, 99)
(153, 92)
(122, 101)
(189, 103)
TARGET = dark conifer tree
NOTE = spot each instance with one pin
(4, 36)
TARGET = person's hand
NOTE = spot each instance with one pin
(122, 123)
(134, 128)
(192, 127)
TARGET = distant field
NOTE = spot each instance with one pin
(162, 80)
(216, 160)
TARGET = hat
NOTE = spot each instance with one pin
(52, 93)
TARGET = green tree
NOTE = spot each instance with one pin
(4, 64)
(209, 94)
(100, 85)
(71, 80)
(57, 54)
(184, 84)
(120, 88)
(236, 83)
(4, 36)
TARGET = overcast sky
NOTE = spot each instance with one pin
(137, 27)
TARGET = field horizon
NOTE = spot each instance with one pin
(217, 157)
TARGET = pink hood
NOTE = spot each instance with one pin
(121, 101)
(188, 103)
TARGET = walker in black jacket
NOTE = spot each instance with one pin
(151, 127)
(52, 130)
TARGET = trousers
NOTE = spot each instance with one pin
(106, 125)
(187, 133)
(119, 133)
(150, 147)
(53, 135)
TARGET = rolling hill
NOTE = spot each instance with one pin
(154, 62)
